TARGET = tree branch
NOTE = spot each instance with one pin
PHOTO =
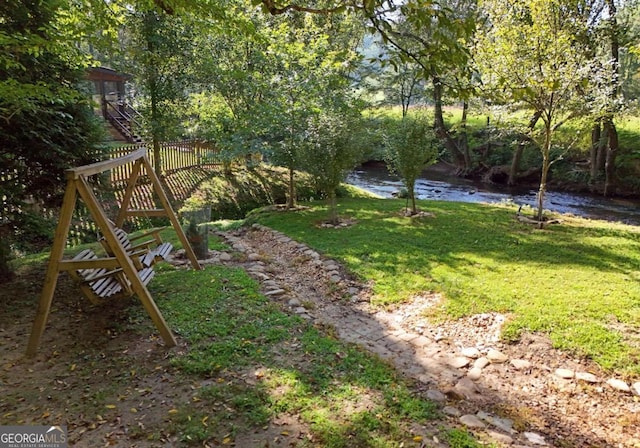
(275, 10)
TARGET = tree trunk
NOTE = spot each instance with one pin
(332, 203)
(291, 200)
(411, 191)
(596, 135)
(463, 141)
(517, 154)
(546, 150)
(612, 132)
(602, 150)
(610, 161)
(441, 129)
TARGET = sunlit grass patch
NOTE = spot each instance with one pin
(249, 363)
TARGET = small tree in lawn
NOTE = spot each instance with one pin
(410, 145)
(333, 147)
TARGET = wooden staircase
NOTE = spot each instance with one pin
(125, 120)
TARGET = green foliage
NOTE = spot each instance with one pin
(575, 282)
(410, 146)
(334, 144)
(46, 122)
(232, 196)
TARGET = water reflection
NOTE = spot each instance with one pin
(438, 185)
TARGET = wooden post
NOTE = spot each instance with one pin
(170, 214)
(51, 278)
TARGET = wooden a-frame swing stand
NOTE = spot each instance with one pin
(120, 261)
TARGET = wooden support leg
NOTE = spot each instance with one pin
(51, 278)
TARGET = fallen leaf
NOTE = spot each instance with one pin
(173, 411)
(417, 439)
(72, 367)
(110, 406)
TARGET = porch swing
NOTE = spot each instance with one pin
(122, 273)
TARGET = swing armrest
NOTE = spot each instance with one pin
(155, 233)
(142, 246)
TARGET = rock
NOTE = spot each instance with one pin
(253, 257)
(499, 437)
(470, 352)
(474, 374)
(336, 278)
(294, 302)
(619, 385)
(534, 438)
(275, 292)
(636, 388)
(467, 388)
(436, 395)
(471, 421)
(458, 362)
(225, 256)
(503, 424)
(353, 291)
(450, 410)
(587, 377)
(520, 364)
(566, 374)
(496, 356)
(480, 363)
(300, 310)
(332, 273)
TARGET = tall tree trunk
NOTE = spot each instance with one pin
(411, 191)
(596, 135)
(610, 162)
(440, 127)
(517, 154)
(602, 150)
(291, 200)
(612, 133)
(463, 141)
(332, 203)
(546, 150)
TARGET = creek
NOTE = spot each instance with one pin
(439, 184)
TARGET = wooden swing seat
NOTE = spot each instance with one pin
(97, 278)
(144, 254)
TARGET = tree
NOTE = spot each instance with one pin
(436, 37)
(159, 54)
(334, 144)
(531, 54)
(410, 145)
(46, 121)
(273, 74)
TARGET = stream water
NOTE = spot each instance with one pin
(439, 185)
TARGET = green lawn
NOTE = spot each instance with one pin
(578, 282)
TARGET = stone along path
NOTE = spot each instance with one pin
(523, 395)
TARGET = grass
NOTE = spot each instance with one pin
(242, 364)
(577, 282)
(262, 363)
